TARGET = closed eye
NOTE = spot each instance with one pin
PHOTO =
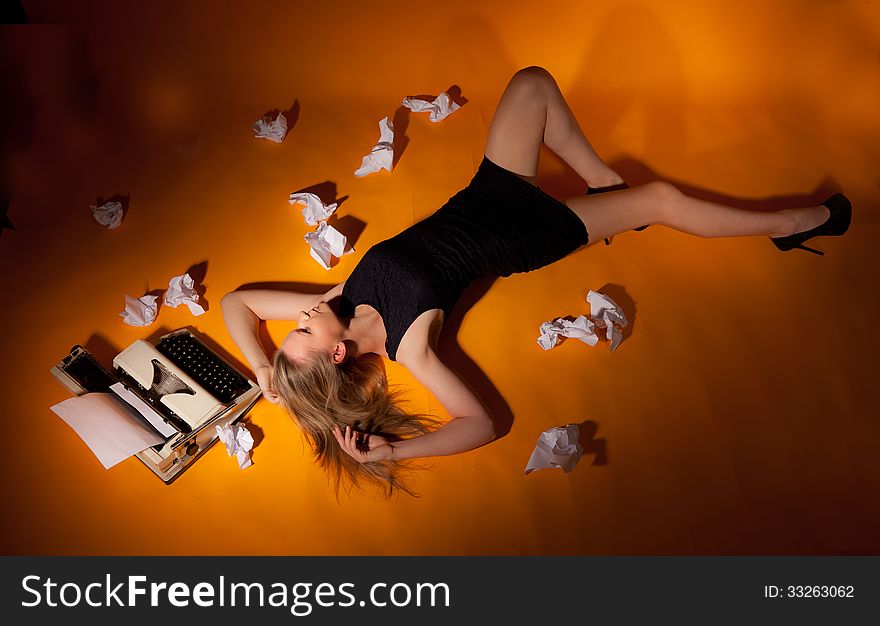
(303, 330)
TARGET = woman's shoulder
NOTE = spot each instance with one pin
(421, 336)
(334, 292)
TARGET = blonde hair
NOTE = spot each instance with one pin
(319, 395)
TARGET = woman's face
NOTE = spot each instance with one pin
(319, 329)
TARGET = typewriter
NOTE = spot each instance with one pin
(180, 386)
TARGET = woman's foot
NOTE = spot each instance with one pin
(831, 219)
(607, 178)
(804, 219)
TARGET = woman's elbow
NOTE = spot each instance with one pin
(233, 308)
(233, 301)
(487, 425)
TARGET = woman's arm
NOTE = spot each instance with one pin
(243, 311)
(470, 427)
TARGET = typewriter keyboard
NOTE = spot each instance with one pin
(194, 358)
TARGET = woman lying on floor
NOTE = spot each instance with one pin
(395, 300)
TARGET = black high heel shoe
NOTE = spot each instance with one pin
(838, 221)
(594, 190)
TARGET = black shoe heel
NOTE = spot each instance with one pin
(594, 190)
(801, 246)
(618, 187)
(839, 219)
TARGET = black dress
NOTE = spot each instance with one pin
(498, 225)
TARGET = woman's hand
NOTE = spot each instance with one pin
(363, 447)
(264, 380)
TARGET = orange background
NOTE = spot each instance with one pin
(735, 418)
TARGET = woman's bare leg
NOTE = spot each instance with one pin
(532, 110)
(660, 202)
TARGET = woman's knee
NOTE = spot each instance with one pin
(665, 195)
(533, 77)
